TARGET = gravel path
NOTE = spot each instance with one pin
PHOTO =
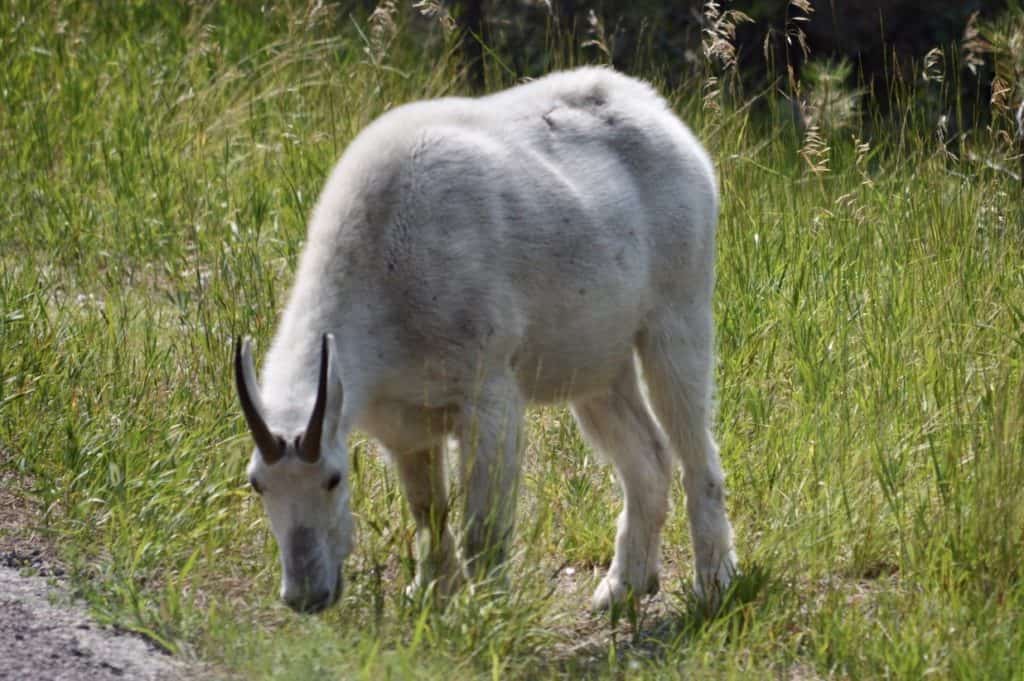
(44, 636)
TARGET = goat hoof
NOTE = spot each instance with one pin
(613, 591)
(711, 582)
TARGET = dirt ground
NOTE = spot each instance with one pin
(44, 634)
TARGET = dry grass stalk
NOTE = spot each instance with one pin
(942, 137)
(973, 45)
(814, 150)
(435, 10)
(383, 30)
(934, 70)
(794, 33)
(598, 36)
(719, 47)
(719, 42)
(862, 151)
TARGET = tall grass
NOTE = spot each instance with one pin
(159, 163)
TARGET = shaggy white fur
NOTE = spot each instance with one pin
(552, 242)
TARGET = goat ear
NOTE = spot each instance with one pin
(324, 418)
(252, 406)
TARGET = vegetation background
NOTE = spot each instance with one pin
(158, 162)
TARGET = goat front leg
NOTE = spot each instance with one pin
(423, 480)
(489, 442)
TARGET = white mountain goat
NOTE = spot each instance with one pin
(551, 242)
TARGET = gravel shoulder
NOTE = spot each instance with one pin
(45, 634)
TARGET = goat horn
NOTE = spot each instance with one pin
(309, 451)
(248, 396)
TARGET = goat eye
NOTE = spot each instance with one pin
(255, 486)
(334, 481)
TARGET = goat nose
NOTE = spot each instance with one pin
(307, 601)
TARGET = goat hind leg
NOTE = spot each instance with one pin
(676, 356)
(619, 425)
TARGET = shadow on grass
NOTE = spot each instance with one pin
(634, 638)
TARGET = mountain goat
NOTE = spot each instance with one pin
(467, 257)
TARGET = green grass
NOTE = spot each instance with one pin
(158, 165)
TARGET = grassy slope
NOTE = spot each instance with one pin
(157, 169)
